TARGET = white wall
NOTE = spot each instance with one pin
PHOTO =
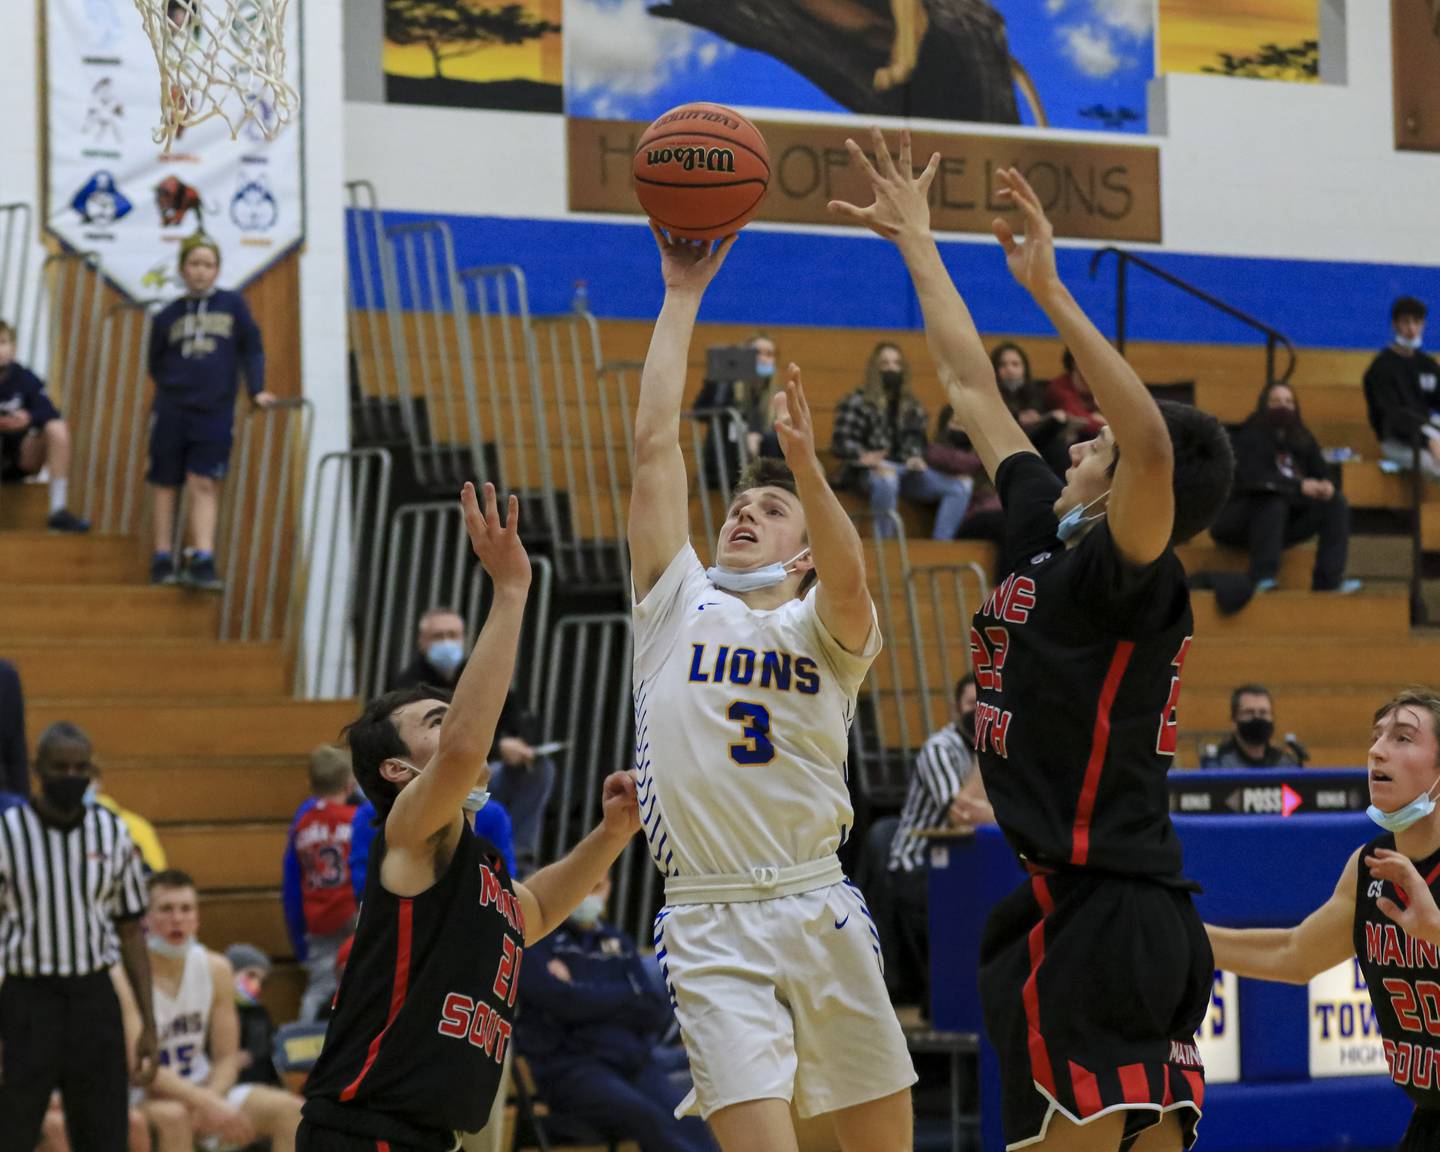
(1248, 167)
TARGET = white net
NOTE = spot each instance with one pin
(221, 58)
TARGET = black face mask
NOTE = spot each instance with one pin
(65, 792)
(1281, 417)
(1256, 730)
(892, 379)
(967, 726)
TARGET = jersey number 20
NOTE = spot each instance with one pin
(754, 721)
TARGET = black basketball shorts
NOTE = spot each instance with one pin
(1093, 986)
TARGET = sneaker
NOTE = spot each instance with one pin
(162, 568)
(63, 520)
(199, 572)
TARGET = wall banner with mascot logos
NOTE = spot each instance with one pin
(109, 188)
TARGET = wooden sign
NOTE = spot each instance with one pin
(1092, 191)
(1415, 31)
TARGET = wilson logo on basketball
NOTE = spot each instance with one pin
(694, 159)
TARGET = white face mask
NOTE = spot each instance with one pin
(474, 800)
(1406, 816)
(162, 947)
(766, 577)
(1410, 342)
(588, 912)
(1075, 519)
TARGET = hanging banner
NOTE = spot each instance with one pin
(110, 189)
(1344, 1034)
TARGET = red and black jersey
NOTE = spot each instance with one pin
(1077, 656)
(424, 1012)
(1403, 976)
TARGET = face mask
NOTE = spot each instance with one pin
(1410, 342)
(445, 655)
(892, 379)
(247, 990)
(1075, 519)
(92, 795)
(474, 800)
(64, 793)
(765, 369)
(766, 577)
(967, 726)
(1403, 818)
(1256, 730)
(162, 947)
(588, 912)
(1281, 417)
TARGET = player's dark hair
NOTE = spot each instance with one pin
(373, 739)
(963, 683)
(1204, 467)
(170, 878)
(61, 732)
(1408, 306)
(1248, 690)
(1009, 346)
(1416, 696)
(767, 472)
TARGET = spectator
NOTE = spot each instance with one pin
(1253, 712)
(1046, 425)
(520, 777)
(319, 902)
(1282, 495)
(33, 435)
(200, 345)
(1402, 391)
(60, 1017)
(754, 401)
(592, 1028)
(944, 790)
(1070, 393)
(14, 756)
(199, 1028)
(142, 832)
(257, 1030)
(880, 437)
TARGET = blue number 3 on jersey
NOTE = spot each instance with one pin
(754, 720)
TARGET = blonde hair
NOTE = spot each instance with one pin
(329, 769)
(1416, 696)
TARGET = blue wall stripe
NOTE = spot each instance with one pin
(859, 281)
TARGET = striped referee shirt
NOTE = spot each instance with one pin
(944, 764)
(61, 891)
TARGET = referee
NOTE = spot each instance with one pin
(71, 897)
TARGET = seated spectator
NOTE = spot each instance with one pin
(33, 435)
(591, 1029)
(1070, 394)
(14, 756)
(520, 778)
(944, 790)
(319, 901)
(1402, 391)
(880, 438)
(754, 401)
(1253, 712)
(257, 1030)
(1282, 495)
(199, 1029)
(147, 840)
(1025, 397)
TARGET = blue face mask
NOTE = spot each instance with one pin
(92, 795)
(474, 800)
(588, 912)
(1403, 818)
(766, 577)
(445, 655)
(1075, 519)
(765, 369)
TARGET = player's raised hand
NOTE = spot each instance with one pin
(1031, 258)
(689, 265)
(621, 804)
(1420, 917)
(793, 425)
(496, 543)
(901, 209)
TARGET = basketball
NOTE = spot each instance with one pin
(701, 171)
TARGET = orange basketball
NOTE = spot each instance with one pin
(701, 171)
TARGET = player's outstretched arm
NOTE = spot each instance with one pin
(1293, 955)
(1141, 509)
(842, 600)
(431, 803)
(555, 891)
(1420, 917)
(659, 522)
(901, 214)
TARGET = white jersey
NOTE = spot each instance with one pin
(742, 722)
(182, 1021)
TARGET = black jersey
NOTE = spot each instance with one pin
(1077, 656)
(1403, 976)
(424, 1011)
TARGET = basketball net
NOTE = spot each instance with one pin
(221, 58)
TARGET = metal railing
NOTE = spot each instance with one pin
(939, 600)
(61, 337)
(260, 521)
(1274, 338)
(349, 508)
(15, 224)
(377, 332)
(110, 442)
